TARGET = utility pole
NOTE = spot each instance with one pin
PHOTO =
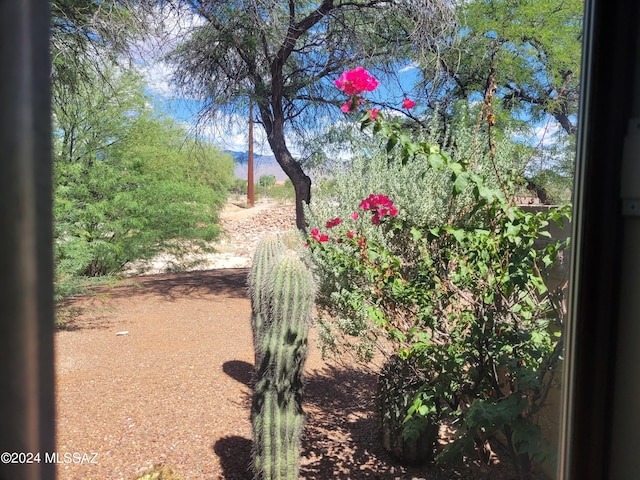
(250, 189)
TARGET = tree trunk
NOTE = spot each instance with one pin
(301, 181)
(274, 126)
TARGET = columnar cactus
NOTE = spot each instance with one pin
(276, 411)
(267, 251)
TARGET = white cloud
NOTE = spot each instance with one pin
(408, 68)
(157, 76)
(547, 134)
(231, 132)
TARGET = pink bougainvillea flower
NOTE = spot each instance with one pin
(374, 113)
(408, 103)
(315, 234)
(380, 206)
(323, 238)
(356, 81)
(349, 234)
(351, 105)
(376, 201)
(347, 106)
(362, 242)
(332, 223)
(355, 215)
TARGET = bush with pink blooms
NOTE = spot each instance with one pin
(464, 297)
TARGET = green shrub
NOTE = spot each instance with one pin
(283, 193)
(128, 183)
(267, 181)
(137, 202)
(457, 289)
(239, 187)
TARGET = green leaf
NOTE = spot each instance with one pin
(376, 316)
(457, 233)
(460, 183)
(456, 168)
(435, 161)
(391, 143)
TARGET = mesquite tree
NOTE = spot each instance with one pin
(527, 55)
(283, 55)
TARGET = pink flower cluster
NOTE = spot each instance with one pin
(319, 237)
(333, 223)
(380, 205)
(351, 105)
(356, 81)
(408, 103)
(374, 113)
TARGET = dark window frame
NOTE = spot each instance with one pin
(27, 420)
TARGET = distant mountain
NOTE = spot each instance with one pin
(262, 165)
(243, 157)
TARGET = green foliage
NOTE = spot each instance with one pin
(422, 190)
(283, 193)
(128, 184)
(284, 296)
(534, 49)
(86, 35)
(531, 53)
(267, 181)
(463, 296)
(239, 187)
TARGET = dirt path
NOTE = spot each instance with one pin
(174, 388)
(242, 229)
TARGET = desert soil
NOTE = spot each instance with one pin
(156, 370)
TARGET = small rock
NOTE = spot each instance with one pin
(124, 332)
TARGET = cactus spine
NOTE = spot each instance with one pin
(276, 411)
(267, 250)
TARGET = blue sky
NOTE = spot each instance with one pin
(230, 130)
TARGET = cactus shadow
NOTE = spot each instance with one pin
(239, 370)
(341, 439)
(234, 453)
